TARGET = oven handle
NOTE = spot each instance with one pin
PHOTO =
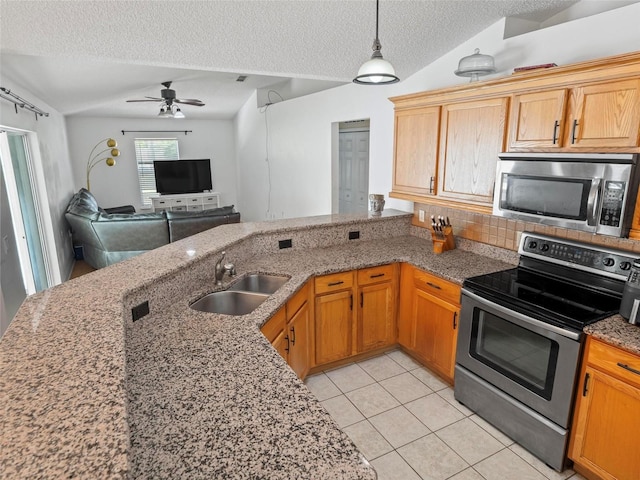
(523, 318)
(593, 203)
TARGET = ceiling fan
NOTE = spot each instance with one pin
(168, 99)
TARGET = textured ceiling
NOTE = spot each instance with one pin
(88, 57)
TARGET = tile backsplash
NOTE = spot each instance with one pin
(505, 233)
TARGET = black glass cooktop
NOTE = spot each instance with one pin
(553, 300)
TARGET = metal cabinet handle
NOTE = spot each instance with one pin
(377, 275)
(573, 131)
(293, 335)
(361, 299)
(286, 349)
(627, 367)
(585, 387)
(455, 324)
(431, 184)
(555, 132)
(433, 285)
(333, 284)
(351, 302)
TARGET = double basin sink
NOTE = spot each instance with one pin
(243, 297)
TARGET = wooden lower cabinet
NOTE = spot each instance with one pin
(365, 310)
(299, 332)
(355, 312)
(606, 425)
(334, 326)
(376, 313)
(428, 319)
(289, 331)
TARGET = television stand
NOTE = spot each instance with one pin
(187, 202)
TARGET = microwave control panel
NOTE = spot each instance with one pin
(612, 203)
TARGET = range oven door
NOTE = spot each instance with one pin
(531, 361)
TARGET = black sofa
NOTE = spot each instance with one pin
(108, 236)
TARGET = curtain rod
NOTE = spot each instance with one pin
(21, 102)
(156, 131)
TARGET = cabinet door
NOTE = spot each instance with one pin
(405, 318)
(537, 120)
(473, 133)
(376, 314)
(604, 115)
(606, 427)
(333, 326)
(436, 331)
(416, 151)
(281, 344)
(299, 342)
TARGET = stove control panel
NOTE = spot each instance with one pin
(583, 256)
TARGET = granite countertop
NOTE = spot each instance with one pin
(249, 375)
(86, 392)
(617, 331)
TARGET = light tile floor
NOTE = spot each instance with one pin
(407, 424)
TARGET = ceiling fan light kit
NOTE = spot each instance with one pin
(376, 71)
(168, 101)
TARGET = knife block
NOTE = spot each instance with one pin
(443, 241)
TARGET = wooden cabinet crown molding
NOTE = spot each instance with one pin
(608, 68)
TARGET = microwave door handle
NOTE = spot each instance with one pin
(593, 202)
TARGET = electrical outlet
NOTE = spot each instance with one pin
(140, 311)
(421, 215)
(284, 243)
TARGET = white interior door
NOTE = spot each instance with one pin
(354, 172)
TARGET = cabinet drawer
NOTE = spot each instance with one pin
(437, 286)
(157, 202)
(297, 301)
(194, 208)
(375, 274)
(334, 282)
(194, 200)
(211, 199)
(178, 202)
(614, 361)
(274, 325)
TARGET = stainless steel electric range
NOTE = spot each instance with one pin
(520, 337)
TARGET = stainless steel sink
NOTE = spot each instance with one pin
(230, 302)
(259, 283)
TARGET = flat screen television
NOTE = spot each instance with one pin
(182, 176)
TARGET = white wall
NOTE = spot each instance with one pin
(118, 185)
(300, 129)
(52, 138)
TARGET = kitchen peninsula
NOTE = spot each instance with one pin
(87, 392)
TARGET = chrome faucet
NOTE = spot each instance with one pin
(220, 270)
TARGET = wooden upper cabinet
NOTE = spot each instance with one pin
(472, 135)
(537, 120)
(605, 115)
(416, 150)
(595, 118)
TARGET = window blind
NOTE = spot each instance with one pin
(148, 150)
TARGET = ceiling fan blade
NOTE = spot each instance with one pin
(154, 100)
(189, 101)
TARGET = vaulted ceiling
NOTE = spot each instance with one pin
(87, 58)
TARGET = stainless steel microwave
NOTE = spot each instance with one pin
(590, 192)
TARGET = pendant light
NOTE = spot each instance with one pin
(376, 71)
